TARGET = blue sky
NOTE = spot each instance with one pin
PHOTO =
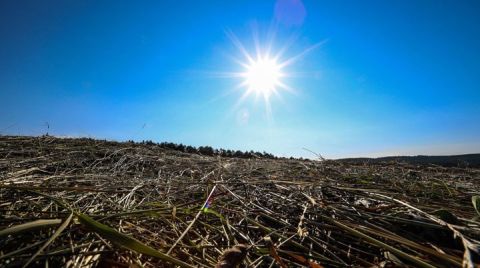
(389, 78)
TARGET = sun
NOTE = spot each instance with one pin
(262, 76)
(263, 70)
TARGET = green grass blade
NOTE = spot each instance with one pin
(29, 226)
(211, 211)
(126, 241)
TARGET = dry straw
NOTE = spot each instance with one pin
(88, 203)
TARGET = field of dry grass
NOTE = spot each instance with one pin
(90, 203)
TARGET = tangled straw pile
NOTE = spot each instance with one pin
(82, 202)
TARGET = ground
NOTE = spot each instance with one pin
(85, 202)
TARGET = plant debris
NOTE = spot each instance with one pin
(88, 203)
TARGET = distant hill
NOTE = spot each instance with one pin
(464, 160)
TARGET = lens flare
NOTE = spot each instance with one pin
(263, 76)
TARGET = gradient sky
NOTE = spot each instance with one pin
(389, 78)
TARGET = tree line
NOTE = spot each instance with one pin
(209, 151)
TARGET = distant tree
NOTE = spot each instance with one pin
(237, 153)
(191, 149)
(181, 147)
(206, 150)
(148, 142)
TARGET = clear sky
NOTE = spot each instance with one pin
(380, 78)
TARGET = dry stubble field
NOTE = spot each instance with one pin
(91, 203)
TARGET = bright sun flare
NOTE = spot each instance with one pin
(263, 71)
(263, 76)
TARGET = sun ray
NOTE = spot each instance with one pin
(270, 38)
(300, 55)
(256, 42)
(287, 87)
(287, 44)
(240, 46)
